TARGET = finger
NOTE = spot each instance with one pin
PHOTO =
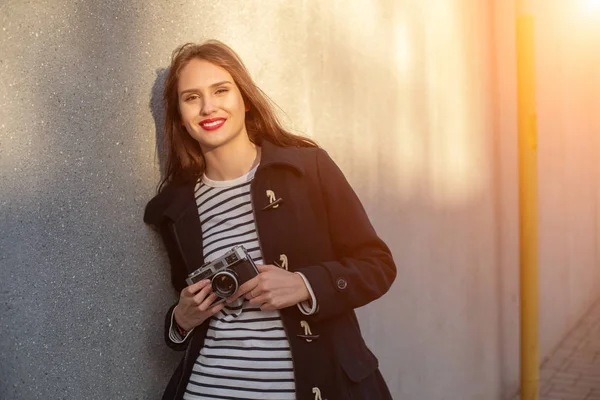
(215, 309)
(267, 307)
(265, 268)
(257, 291)
(260, 300)
(245, 288)
(267, 304)
(205, 305)
(202, 294)
(191, 290)
(271, 304)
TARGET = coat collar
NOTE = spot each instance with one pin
(173, 199)
(272, 154)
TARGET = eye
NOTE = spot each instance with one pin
(222, 90)
(192, 97)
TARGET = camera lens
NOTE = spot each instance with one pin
(224, 283)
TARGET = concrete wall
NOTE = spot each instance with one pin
(569, 140)
(413, 99)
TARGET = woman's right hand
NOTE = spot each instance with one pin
(193, 307)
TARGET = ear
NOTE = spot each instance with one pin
(247, 107)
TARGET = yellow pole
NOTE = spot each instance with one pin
(528, 201)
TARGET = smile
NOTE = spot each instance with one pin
(212, 124)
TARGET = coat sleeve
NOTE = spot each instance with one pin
(364, 269)
(153, 216)
(167, 332)
(178, 270)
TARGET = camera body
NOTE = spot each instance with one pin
(226, 273)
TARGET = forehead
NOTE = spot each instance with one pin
(200, 74)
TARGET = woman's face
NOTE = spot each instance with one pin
(211, 105)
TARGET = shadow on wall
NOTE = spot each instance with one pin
(72, 229)
(157, 110)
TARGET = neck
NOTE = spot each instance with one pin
(230, 162)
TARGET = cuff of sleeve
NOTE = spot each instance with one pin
(308, 307)
(174, 334)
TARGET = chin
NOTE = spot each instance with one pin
(207, 144)
(213, 140)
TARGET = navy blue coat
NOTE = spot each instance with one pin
(319, 223)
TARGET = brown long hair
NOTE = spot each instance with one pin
(184, 159)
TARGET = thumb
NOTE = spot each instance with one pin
(265, 268)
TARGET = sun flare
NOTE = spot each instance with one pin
(591, 6)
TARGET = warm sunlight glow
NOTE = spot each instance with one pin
(456, 147)
(590, 9)
(591, 6)
(585, 16)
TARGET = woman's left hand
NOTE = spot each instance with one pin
(273, 288)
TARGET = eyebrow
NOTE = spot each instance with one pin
(211, 86)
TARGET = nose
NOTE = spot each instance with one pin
(208, 106)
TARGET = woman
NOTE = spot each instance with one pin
(234, 176)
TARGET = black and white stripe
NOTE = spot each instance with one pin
(246, 354)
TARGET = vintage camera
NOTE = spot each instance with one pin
(227, 273)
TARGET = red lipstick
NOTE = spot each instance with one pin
(211, 124)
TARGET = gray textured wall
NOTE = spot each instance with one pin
(83, 287)
(413, 99)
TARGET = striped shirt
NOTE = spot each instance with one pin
(246, 353)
